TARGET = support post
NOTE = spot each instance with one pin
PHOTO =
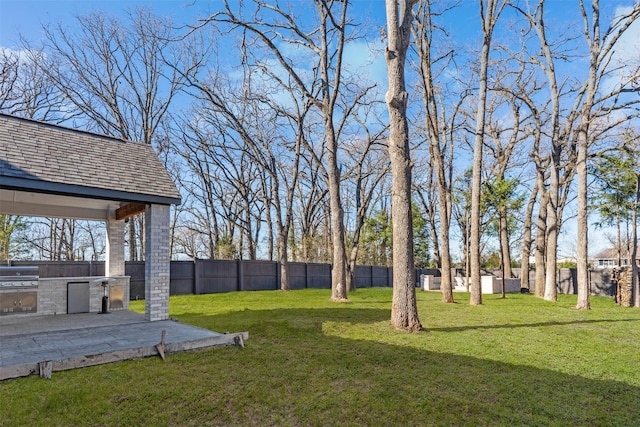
(157, 262)
(114, 262)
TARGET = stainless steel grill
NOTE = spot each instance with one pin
(18, 289)
(18, 277)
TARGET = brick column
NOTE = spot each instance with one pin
(114, 263)
(157, 262)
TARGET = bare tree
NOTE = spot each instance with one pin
(574, 111)
(501, 140)
(56, 239)
(437, 130)
(226, 195)
(490, 11)
(527, 240)
(558, 141)
(370, 168)
(115, 78)
(26, 90)
(404, 312)
(9, 75)
(635, 280)
(600, 48)
(311, 220)
(272, 26)
(536, 125)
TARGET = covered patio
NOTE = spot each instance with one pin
(53, 171)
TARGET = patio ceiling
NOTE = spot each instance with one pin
(27, 203)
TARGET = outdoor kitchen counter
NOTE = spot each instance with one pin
(63, 295)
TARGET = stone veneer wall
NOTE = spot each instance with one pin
(52, 293)
(157, 262)
(114, 264)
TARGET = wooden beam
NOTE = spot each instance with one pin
(129, 210)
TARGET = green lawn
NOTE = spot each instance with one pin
(308, 361)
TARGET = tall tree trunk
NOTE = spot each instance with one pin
(467, 256)
(582, 255)
(351, 268)
(404, 311)
(489, 18)
(619, 237)
(635, 280)
(285, 281)
(551, 285)
(446, 285)
(339, 268)
(541, 245)
(505, 251)
(582, 273)
(329, 97)
(133, 246)
(423, 31)
(527, 240)
(269, 234)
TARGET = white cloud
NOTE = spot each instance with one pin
(625, 58)
(366, 59)
(23, 55)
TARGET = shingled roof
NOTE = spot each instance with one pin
(41, 157)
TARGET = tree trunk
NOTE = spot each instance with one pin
(329, 96)
(351, 269)
(285, 281)
(582, 260)
(283, 247)
(404, 312)
(527, 240)
(505, 251)
(541, 239)
(488, 18)
(635, 280)
(133, 239)
(338, 270)
(446, 286)
(583, 227)
(551, 285)
(441, 246)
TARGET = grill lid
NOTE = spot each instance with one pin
(19, 273)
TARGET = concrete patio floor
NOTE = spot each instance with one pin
(30, 343)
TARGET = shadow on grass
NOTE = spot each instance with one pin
(528, 325)
(292, 373)
(356, 381)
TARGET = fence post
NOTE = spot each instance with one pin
(193, 277)
(371, 276)
(240, 284)
(196, 270)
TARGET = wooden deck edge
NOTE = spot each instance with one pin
(28, 369)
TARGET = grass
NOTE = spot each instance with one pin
(308, 361)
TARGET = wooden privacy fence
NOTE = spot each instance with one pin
(214, 276)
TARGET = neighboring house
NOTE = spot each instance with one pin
(608, 258)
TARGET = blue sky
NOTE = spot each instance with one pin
(27, 16)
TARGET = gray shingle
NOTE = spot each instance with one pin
(38, 151)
